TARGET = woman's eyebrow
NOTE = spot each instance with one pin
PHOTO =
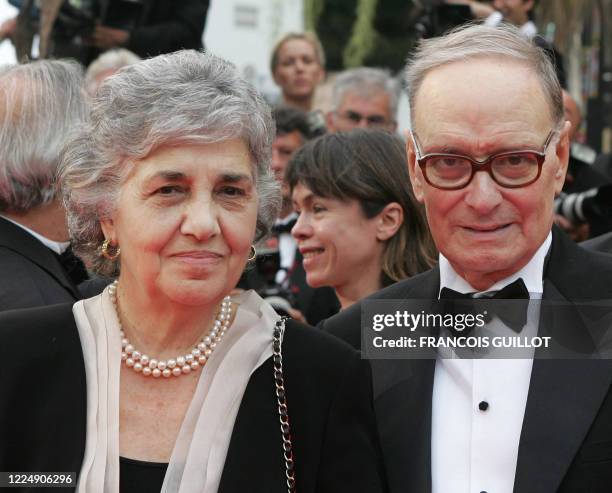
(235, 177)
(168, 175)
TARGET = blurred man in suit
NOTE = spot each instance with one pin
(39, 104)
(488, 153)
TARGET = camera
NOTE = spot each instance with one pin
(73, 22)
(585, 207)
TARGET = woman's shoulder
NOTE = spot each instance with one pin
(42, 384)
(317, 354)
(304, 338)
(38, 330)
(37, 318)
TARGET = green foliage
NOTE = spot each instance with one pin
(312, 12)
(364, 36)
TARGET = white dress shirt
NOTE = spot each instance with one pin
(475, 450)
(528, 29)
(287, 246)
(58, 247)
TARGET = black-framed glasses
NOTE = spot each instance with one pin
(371, 120)
(512, 169)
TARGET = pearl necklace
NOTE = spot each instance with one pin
(181, 365)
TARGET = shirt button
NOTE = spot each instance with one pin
(483, 406)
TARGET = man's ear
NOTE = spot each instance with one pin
(416, 177)
(329, 121)
(562, 154)
(390, 220)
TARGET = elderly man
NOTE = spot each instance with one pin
(39, 104)
(487, 156)
(363, 98)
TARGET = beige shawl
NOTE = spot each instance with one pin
(199, 453)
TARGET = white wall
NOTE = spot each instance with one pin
(245, 31)
(7, 52)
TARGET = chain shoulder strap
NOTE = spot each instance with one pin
(281, 399)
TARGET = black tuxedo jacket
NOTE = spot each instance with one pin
(601, 243)
(566, 439)
(43, 409)
(30, 273)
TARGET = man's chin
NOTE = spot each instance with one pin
(483, 263)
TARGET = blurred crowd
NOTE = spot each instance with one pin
(348, 225)
(162, 225)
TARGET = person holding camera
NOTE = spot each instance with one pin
(145, 27)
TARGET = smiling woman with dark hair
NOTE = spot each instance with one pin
(360, 227)
(164, 382)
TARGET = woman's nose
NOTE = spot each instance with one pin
(302, 228)
(201, 220)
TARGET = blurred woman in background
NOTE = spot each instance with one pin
(359, 227)
(298, 66)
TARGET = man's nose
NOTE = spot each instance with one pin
(483, 193)
(201, 220)
(363, 123)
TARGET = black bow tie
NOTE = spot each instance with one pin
(513, 316)
(284, 227)
(73, 266)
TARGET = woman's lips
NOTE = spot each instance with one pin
(310, 256)
(198, 257)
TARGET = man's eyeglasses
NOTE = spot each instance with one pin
(371, 121)
(513, 169)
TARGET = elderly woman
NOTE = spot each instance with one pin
(359, 227)
(164, 382)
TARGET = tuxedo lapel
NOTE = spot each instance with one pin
(404, 424)
(402, 401)
(21, 242)
(564, 394)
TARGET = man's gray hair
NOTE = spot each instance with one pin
(183, 98)
(109, 61)
(365, 82)
(40, 103)
(478, 41)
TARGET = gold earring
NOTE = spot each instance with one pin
(252, 257)
(106, 254)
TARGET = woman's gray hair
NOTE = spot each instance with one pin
(186, 97)
(478, 41)
(40, 103)
(366, 82)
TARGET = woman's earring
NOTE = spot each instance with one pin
(109, 255)
(253, 255)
